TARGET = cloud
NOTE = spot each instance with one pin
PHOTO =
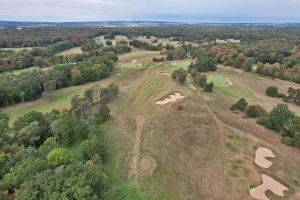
(167, 10)
(97, 2)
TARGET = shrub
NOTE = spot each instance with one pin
(287, 141)
(272, 91)
(59, 156)
(240, 105)
(108, 43)
(296, 140)
(279, 117)
(209, 87)
(254, 111)
(92, 147)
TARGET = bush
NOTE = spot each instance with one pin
(254, 111)
(287, 141)
(241, 105)
(92, 147)
(179, 75)
(209, 87)
(103, 114)
(108, 43)
(281, 95)
(272, 91)
(296, 140)
(59, 156)
(279, 117)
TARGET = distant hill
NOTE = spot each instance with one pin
(134, 24)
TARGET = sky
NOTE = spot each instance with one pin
(223, 11)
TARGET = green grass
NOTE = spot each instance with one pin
(30, 69)
(17, 49)
(167, 67)
(223, 88)
(59, 100)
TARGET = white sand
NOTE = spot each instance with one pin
(173, 63)
(260, 157)
(171, 98)
(134, 61)
(268, 184)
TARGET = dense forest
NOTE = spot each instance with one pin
(58, 155)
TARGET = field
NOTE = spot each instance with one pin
(17, 49)
(200, 151)
(75, 50)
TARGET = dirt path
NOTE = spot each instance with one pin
(133, 172)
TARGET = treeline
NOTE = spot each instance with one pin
(145, 45)
(45, 57)
(41, 57)
(32, 85)
(43, 36)
(292, 96)
(280, 119)
(277, 59)
(203, 64)
(38, 161)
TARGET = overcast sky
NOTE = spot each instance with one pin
(158, 10)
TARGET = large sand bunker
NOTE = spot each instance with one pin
(171, 98)
(268, 184)
(260, 157)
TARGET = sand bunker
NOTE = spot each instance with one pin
(171, 98)
(165, 73)
(173, 63)
(268, 184)
(134, 61)
(228, 81)
(260, 157)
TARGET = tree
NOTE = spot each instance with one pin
(92, 147)
(22, 171)
(4, 120)
(49, 87)
(272, 91)
(254, 111)
(296, 139)
(103, 114)
(179, 75)
(205, 64)
(249, 64)
(30, 135)
(279, 117)
(68, 128)
(59, 156)
(208, 87)
(241, 105)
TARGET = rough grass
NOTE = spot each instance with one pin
(75, 50)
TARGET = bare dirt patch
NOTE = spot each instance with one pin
(260, 157)
(171, 98)
(268, 184)
(228, 81)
